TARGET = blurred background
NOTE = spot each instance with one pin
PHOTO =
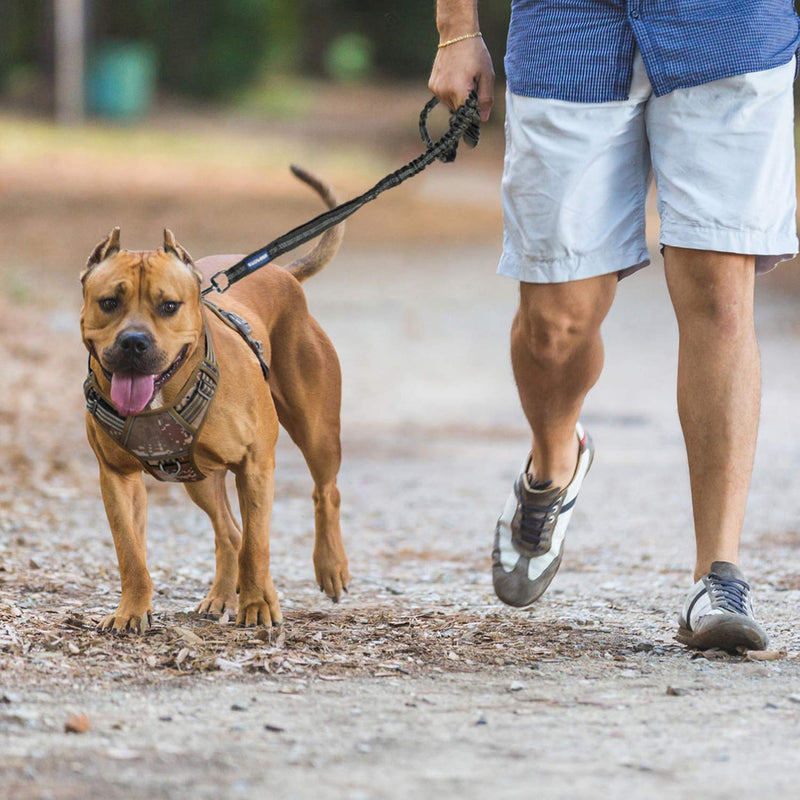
(186, 114)
(210, 100)
(105, 58)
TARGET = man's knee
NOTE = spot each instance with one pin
(554, 322)
(711, 288)
(549, 335)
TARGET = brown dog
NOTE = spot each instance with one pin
(156, 354)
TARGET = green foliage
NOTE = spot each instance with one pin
(276, 97)
(402, 33)
(206, 49)
(21, 23)
(349, 57)
(217, 48)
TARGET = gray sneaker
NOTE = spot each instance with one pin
(529, 538)
(718, 613)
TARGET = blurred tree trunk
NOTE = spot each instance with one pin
(70, 50)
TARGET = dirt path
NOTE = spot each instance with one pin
(420, 683)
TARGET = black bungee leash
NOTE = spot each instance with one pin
(464, 123)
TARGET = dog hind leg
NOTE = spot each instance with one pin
(308, 400)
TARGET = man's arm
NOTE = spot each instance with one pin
(460, 64)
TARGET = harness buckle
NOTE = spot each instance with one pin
(206, 388)
(240, 323)
(91, 402)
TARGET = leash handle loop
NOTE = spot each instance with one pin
(464, 123)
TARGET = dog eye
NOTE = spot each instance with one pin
(169, 307)
(109, 304)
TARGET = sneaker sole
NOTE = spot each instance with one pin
(732, 634)
(515, 588)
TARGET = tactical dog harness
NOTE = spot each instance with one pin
(163, 440)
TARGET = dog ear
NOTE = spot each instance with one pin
(103, 250)
(171, 246)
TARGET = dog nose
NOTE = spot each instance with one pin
(134, 343)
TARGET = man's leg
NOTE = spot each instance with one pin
(575, 180)
(557, 356)
(719, 387)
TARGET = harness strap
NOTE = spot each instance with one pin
(245, 330)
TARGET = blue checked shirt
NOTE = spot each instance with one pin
(582, 50)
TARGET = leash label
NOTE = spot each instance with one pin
(253, 263)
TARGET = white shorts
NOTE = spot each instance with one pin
(576, 176)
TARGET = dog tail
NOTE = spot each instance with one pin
(310, 264)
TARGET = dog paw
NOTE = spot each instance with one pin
(333, 579)
(214, 605)
(121, 622)
(259, 612)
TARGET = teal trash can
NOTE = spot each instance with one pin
(122, 78)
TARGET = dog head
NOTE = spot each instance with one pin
(141, 316)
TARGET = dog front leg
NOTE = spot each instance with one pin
(125, 499)
(258, 600)
(211, 496)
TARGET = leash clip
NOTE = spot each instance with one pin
(216, 284)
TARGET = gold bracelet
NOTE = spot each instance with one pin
(459, 39)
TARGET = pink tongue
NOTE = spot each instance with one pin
(131, 392)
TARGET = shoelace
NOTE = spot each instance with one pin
(728, 594)
(537, 519)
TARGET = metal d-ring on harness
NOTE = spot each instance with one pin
(464, 123)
